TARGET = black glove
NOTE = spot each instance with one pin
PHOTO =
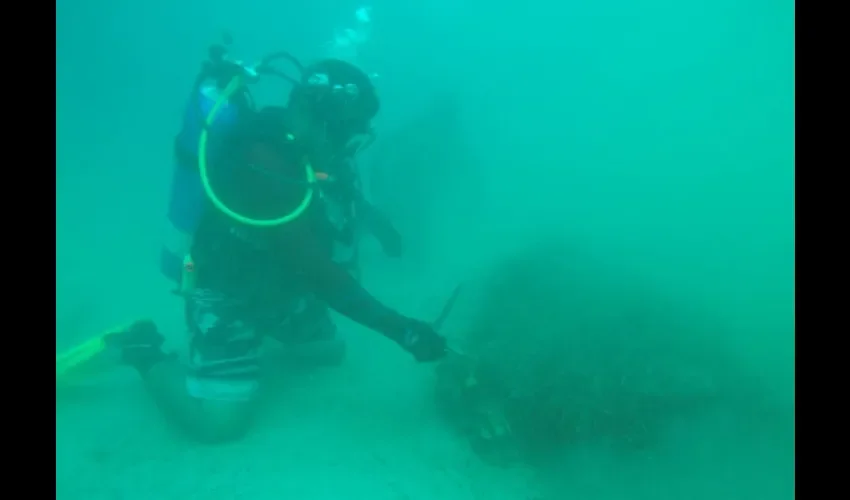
(423, 342)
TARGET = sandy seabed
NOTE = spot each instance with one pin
(365, 430)
(368, 429)
(347, 432)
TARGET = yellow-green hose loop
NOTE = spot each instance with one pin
(231, 89)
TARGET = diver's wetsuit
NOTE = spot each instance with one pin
(252, 282)
(361, 215)
(346, 195)
(273, 269)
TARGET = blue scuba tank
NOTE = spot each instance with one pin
(187, 202)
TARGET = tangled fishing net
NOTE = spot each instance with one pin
(562, 352)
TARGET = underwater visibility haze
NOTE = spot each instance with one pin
(611, 183)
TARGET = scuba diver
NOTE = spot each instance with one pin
(335, 137)
(252, 243)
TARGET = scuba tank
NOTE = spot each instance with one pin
(187, 200)
(219, 99)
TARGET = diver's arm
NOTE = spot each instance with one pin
(335, 286)
(380, 226)
(348, 297)
(331, 283)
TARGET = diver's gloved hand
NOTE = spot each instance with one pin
(421, 340)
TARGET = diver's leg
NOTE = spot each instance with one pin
(164, 376)
(212, 399)
(207, 420)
